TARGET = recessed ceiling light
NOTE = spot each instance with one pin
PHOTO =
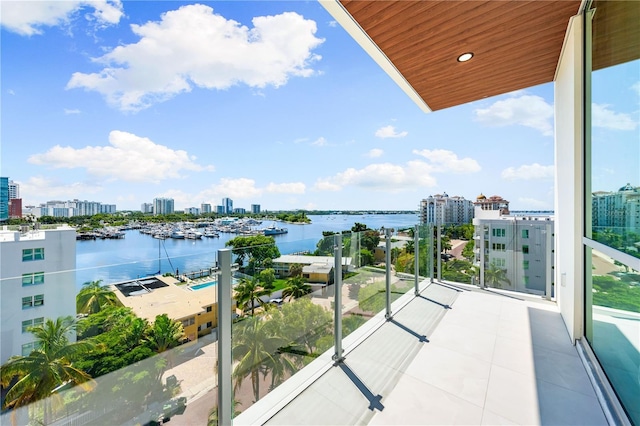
(465, 57)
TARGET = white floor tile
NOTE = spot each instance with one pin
(513, 396)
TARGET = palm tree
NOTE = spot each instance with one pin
(35, 377)
(296, 288)
(248, 292)
(495, 276)
(256, 346)
(295, 269)
(93, 297)
(165, 333)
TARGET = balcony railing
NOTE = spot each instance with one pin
(234, 340)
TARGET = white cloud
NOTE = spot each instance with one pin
(28, 17)
(319, 142)
(286, 188)
(636, 88)
(333, 24)
(533, 171)
(390, 132)
(448, 162)
(43, 188)
(215, 53)
(602, 116)
(300, 140)
(524, 110)
(128, 158)
(374, 153)
(11, 92)
(71, 111)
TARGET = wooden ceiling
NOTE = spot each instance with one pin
(516, 43)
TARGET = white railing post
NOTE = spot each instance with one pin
(387, 235)
(225, 389)
(439, 249)
(416, 252)
(337, 309)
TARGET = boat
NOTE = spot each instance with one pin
(177, 235)
(274, 230)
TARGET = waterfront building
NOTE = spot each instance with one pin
(520, 246)
(220, 210)
(37, 281)
(162, 206)
(192, 210)
(146, 208)
(319, 268)
(255, 208)
(205, 208)
(239, 210)
(108, 208)
(4, 199)
(227, 203)
(444, 210)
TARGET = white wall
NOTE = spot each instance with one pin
(569, 187)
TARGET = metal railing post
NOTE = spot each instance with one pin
(430, 255)
(416, 252)
(337, 309)
(439, 243)
(225, 389)
(387, 235)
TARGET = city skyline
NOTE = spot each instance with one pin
(266, 103)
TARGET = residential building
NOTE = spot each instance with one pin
(15, 207)
(239, 210)
(495, 202)
(520, 246)
(220, 210)
(146, 208)
(319, 269)
(618, 209)
(195, 308)
(4, 199)
(192, 210)
(205, 208)
(227, 203)
(37, 281)
(162, 206)
(444, 210)
(255, 208)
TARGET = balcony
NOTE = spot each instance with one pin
(422, 351)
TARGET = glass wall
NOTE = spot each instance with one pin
(612, 313)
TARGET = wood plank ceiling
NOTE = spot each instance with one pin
(516, 43)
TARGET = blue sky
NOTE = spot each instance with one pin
(267, 103)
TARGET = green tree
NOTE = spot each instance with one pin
(165, 333)
(303, 323)
(256, 249)
(248, 292)
(256, 346)
(324, 247)
(370, 240)
(495, 276)
(296, 287)
(34, 377)
(93, 297)
(366, 257)
(295, 269)
(267, 277)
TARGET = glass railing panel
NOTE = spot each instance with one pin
(284, 308)
(625, 239)
(135, 349)
(516, 254)
(613, 324)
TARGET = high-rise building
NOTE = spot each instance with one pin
(14, 190)
(239, 210)
(192, 210)
(220, 210)
(4, 199)
(37, 281)
(444, 210)
(146, 208)
(15, 207)
(495, 202)
(255, 208)
(205, 208)
(227, 203)
(162, 206)
(619, 209)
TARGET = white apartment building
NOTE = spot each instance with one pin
(163, 206)
(37, 282)
(521, 246)
(444, 210)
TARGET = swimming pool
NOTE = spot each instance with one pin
(203, 285)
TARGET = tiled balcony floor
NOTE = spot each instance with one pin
(488, 359)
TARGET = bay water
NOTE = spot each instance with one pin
(139, 255)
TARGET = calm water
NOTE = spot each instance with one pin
(138, 255)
